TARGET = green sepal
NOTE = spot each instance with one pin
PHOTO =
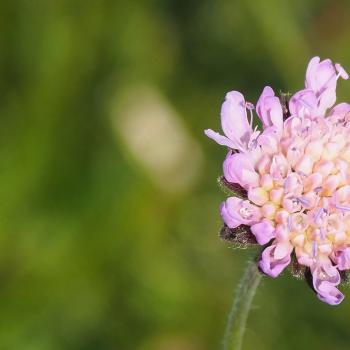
(240, 237)
(297, 270)
(231, 189)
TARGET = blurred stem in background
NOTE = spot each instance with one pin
(237, 319)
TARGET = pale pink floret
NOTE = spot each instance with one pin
(238, 168)
(296, 172)
(342, 258)
(325, 279)
(234, 123)
(236, 211)
(263, 231)
(269, 109)
(321, 77)
(275, 258)
(303, 104)
(342, 110)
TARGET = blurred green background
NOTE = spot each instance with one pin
(109, 204)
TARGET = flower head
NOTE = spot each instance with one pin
(296, 174)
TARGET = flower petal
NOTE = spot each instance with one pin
(325, 278)
(238, 168)
(341, 71)
(340, 110)
(269, 109)
(221, 140)
(267, 92)
(321, 77)
(263, 231)
(342, 259)
(234, 120)
(270, 265)
(303, 103)
(236, 211)
(311, 71)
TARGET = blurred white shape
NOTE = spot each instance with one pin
(157, 138)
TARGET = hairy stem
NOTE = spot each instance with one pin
(237, 318)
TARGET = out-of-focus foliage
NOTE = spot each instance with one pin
(108, 212)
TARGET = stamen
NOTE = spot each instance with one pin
(318, 214)
(322, 235)
(328, 81)
(252, 144)
(314, 249)
(290, 223)
(249, 105)
(301, 173)
(303, 201)
(342, 207)
(318, 189)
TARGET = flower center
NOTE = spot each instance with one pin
(314, 178)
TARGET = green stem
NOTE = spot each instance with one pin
(237, 318)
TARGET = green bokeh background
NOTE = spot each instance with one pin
(96, 251)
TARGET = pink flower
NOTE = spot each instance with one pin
(321, 77)
(325, 278)
(236, 211)
(234, 123)
(296, 172)
(239, 169)
(275, 258)
(269, 109)
(303, 104)
(263, 231)
(342, 258)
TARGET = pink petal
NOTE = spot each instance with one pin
(340, 110)
(322, 77)
(267, 92)
(325, 278)
(325, 76)
(270, 265)
(234, 120)
(342, 259)
(221, 140)
(269, 140)
(263, 231)
(238, 168)
(303, 103)
(341, 71)
(236, 211)
(269, 109)
(227, 211)
(327, 98)
(282, 249)
(274, 110)
(310, 80)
